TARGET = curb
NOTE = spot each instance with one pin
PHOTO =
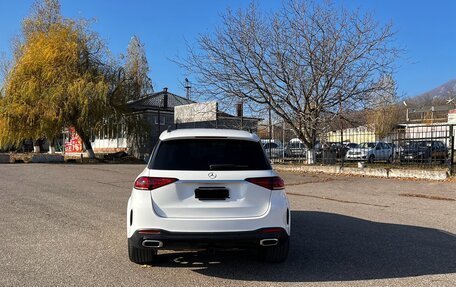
(5, 158)
(366, 171)
(46, 158)
(31, 158)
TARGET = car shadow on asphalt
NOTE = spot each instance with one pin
(334, 247)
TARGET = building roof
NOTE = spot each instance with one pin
(208, 133)
(166, 101)
(162, 100)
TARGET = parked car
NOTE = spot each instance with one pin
(208, 188)
(296, 148)
(371, 152)
(396, 150)
(274, 148)
(351, 145)
(318, 148)
(338, 148)
(424, 151)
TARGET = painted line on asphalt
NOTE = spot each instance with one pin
(336, 200)
(433, 197)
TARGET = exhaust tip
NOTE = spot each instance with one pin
(152, 243)
(269, 242)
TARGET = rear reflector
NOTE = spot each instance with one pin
(149, 231)
(273, 182)
(272, 230)
(149, 183)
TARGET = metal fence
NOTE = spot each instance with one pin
(424, 146)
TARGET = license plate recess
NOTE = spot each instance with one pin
(212, 193)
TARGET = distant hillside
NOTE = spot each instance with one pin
(437, 96)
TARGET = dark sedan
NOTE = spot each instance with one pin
(424, 152)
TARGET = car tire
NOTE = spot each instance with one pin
(141, 255)
(371, 158)
(276, 254)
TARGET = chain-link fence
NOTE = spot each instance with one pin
(423, 146)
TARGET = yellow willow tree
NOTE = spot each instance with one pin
(58, 80)
(2, 129)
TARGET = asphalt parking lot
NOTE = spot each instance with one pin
(64, 225)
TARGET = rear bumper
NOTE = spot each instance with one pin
(141, 215)
(199, 240)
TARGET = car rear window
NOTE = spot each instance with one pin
(209, 154)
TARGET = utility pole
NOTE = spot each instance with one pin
(283, 139)
(240, 112)
(341, 148)
(270, 128)
(216, 115)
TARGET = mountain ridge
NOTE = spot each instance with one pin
(436, 96)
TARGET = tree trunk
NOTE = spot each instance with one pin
(311, 156)
(36, 146)
(52, 146)
(86, 141)
(88, 147)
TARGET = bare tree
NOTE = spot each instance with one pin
(137, 69)
(45, 13)
(305, 62)
(5, 66)
(385, 111)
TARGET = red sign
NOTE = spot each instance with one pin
(74, 144)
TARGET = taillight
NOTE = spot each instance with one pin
(273, 182)
(149, 183)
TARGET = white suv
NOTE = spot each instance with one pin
(208, 188)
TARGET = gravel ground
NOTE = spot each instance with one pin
(64, 225)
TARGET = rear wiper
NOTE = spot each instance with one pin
(228, 166)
